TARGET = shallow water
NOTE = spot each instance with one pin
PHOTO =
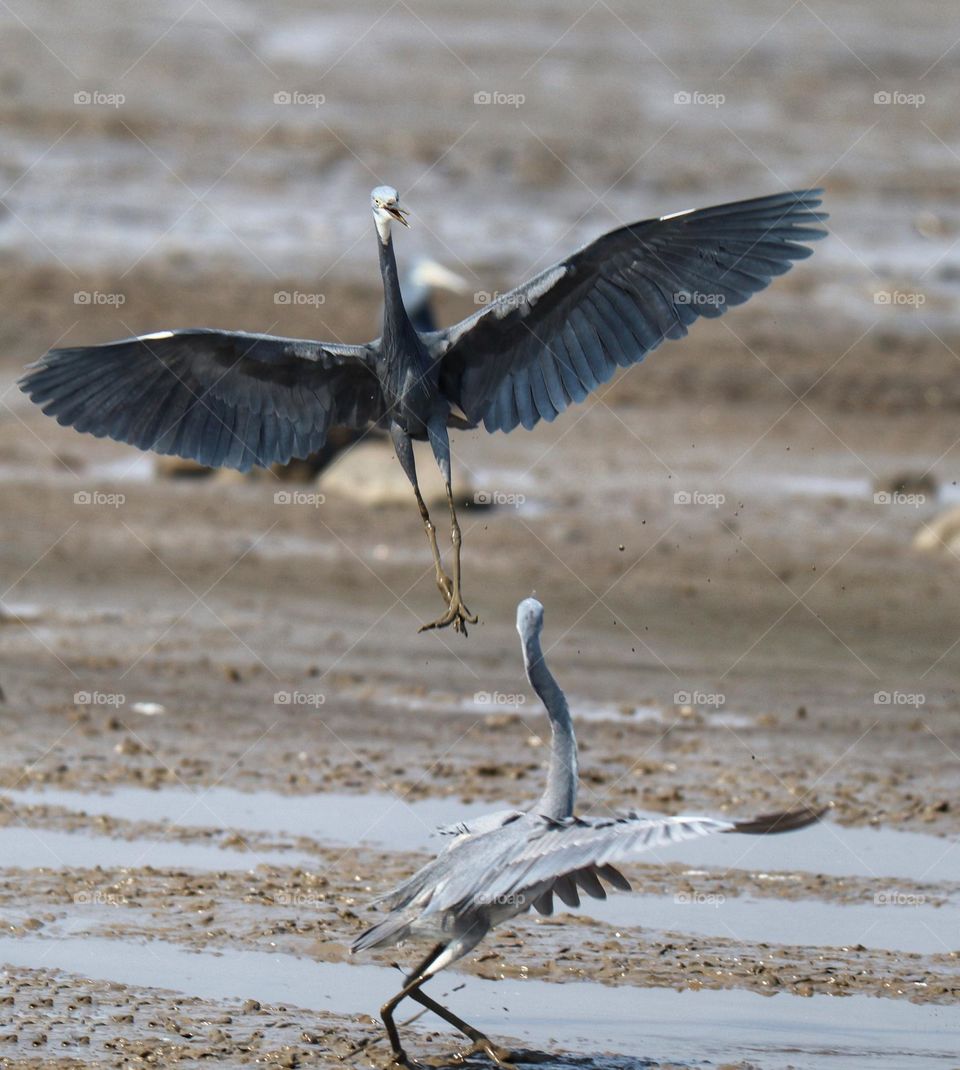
(898, 925)
(819, 1033)
(906, 927)
(389, 820)
(334, 817)
(40, 848)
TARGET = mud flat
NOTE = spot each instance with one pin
(222, 732)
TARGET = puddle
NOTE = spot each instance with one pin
(35, 848)
(906, 927)
(387, 820)
(334, 817)
(819, 1033)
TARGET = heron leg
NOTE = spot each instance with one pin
(443, 580)
(413, 982)
(404, 451)
(457, 613)
(481, 1042)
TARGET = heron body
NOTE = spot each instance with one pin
(510, 862)
(408, 378)
(230, 398)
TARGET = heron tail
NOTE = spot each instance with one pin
(385, 933)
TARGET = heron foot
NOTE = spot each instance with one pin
(457, 614)
(497, 1055)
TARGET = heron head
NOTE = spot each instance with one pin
(385, 202)
(529, 618)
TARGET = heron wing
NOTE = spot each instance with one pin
(561, 855)
(532, 352)
(216, 397)
(483, 823)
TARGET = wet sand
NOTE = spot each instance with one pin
(222, 732)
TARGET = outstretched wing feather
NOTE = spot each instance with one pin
(216, 397)
(615, 300)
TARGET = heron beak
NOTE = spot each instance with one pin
(397, 213)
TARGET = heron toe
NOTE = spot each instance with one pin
(457, 614)
(497, 1055)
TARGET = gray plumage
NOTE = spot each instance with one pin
(513, 861)
(236, 399)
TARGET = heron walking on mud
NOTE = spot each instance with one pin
(503, 864)
(236, 399)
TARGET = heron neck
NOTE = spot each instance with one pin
(396, 322)
(560, 796)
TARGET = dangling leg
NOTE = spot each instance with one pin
(404, 450)
(457, 613)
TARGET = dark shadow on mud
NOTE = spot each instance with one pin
(521, 1057)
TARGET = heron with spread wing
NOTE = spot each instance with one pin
(508, 862)
(236, 399)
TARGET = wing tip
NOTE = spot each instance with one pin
(781, 821)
